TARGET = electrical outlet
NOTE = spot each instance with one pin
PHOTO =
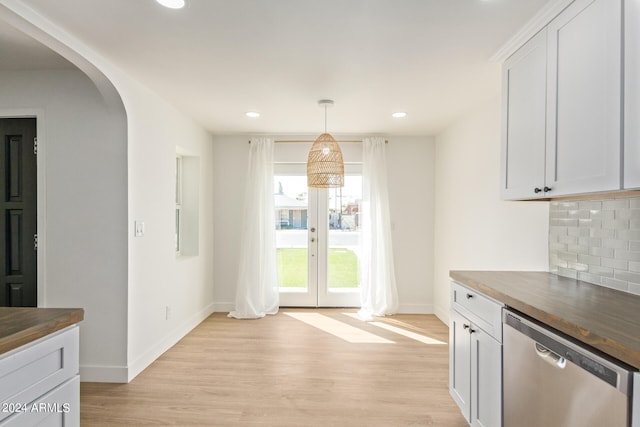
(167, 313)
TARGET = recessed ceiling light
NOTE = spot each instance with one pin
(252, 114)
(172, 4)
(399, 115)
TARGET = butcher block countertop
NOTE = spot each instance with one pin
(19, 326)
(606, 319)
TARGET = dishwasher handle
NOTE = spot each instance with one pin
(550, 357)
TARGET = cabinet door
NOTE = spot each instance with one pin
(486, 379)
(524, 85)
(460, 362)
(58, 408)
(632, 95)
(583, 98)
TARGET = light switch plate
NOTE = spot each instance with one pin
(139, 228)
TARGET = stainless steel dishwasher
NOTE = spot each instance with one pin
(550, 381)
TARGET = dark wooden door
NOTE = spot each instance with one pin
(18, 218)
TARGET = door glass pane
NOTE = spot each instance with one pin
(343, 273)
(291, 203)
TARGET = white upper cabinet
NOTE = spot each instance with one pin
(584, 137)
(632, 95)
(576, 100)
(524, 88)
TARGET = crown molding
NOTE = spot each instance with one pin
(531, 28)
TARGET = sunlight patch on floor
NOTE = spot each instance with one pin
(414, 336)
(339, 329)
(404, 325)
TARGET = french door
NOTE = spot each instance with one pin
(318, 241)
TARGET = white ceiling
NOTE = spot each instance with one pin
(217, 59)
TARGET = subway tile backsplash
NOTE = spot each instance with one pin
(597, 241)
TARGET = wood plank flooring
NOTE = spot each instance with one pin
(280, 371)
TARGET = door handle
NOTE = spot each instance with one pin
(550, 357)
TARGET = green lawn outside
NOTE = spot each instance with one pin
(292, 268)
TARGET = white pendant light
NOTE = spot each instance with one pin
(325, 167)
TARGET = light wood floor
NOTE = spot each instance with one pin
(279, 371)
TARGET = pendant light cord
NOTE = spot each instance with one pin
(325, 118)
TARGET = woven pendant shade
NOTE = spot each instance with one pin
(325, 167)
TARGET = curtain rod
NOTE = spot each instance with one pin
(287, 141)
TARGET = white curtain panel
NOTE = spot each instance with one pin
(257, 287)
(378, 287)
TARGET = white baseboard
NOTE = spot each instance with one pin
(442, 314)
(224, 307)
(169, 341)
(415, 309)
(124, 374)
(103, 374)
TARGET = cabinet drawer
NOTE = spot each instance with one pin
(479, 309)
(31, 371)
(60, 408)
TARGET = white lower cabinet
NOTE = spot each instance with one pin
(40, 384)
(460, 362)
(58, 408)
(486, 379)
(475, 356)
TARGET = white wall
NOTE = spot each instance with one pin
(230, 162)
(157, 278)
(474, 229)
(83, 194)
(411, 176)
(143, 275)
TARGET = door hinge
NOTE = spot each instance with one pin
(35, 242)
(35, 145)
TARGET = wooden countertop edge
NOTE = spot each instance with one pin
(62, 319)
(603, 344)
